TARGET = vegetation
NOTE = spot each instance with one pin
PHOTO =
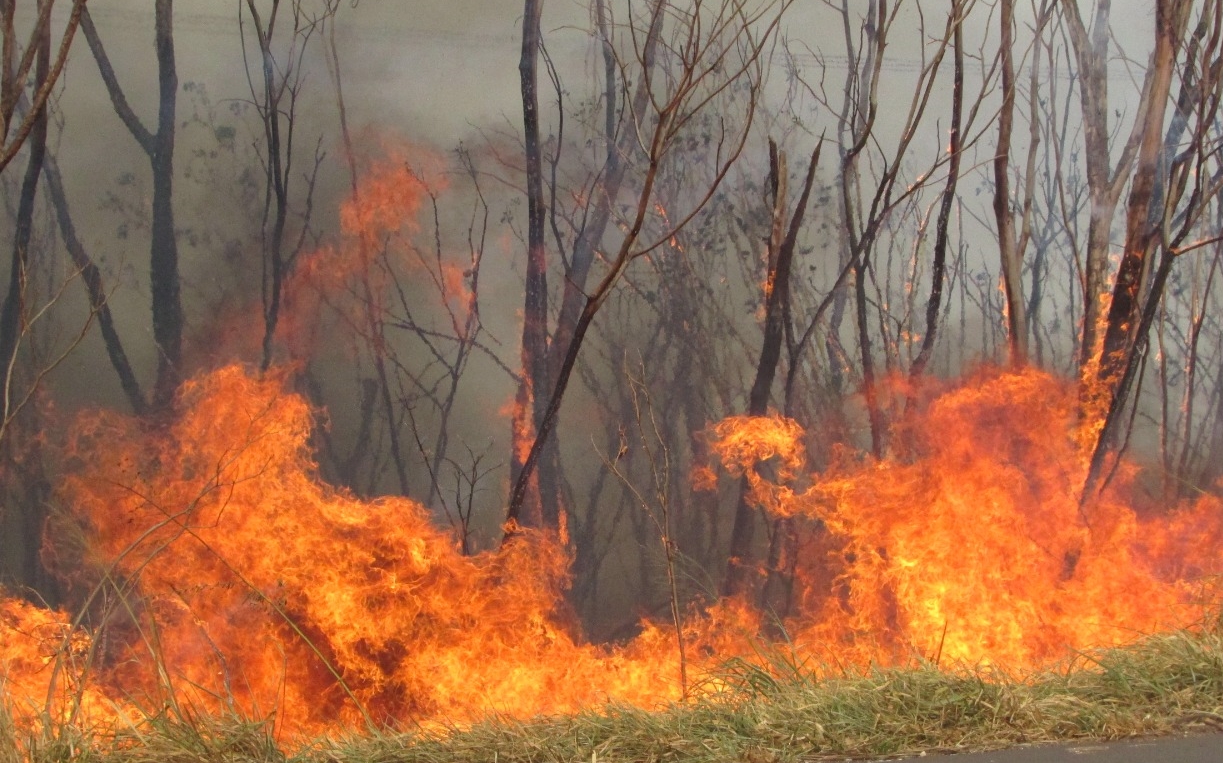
(774, 710)
(686, 336)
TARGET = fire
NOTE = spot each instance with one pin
(971, 547)
(744, 443)
(230, 578)
(351, 277)
(239, 582)
(42, 666)
(248, 585)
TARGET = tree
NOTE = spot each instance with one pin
(13, 315)
(14, 77)
(782, 242)
(275, 80)
(681, 60)
(1169, 200)
(158, 146)
(1106, 180)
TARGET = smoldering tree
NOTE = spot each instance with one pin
(1168, 209)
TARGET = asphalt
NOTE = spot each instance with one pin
(1198, 748)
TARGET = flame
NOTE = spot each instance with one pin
(254, 587)
(351, 277)
(972, 547)
(241, 583)
(43, 662)
(745, 443)
(234, 580)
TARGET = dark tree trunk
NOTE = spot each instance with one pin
(1125, 307)
(13, 312)
(24, 486)
(533, 388)
(167, 305)
(783, 241)
(163, 260)
(91, 277)
(938, 269)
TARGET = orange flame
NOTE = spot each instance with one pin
(263, 590)
(42, 663)
(973, 547)
(237, 581)
(249, 586)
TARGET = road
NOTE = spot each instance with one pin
(1199, 748)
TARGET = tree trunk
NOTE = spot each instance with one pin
(13, 313)
(533, 388)
(167, 305)
(1008, 246)
(1123, 313)
(783, 240)
(938, 269)
(27, 489)
(163, 260)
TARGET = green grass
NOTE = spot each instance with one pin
(766, 713)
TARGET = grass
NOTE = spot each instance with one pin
(771, 713)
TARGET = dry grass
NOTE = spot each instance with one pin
(768, 713)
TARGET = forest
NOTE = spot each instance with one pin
(377, 371)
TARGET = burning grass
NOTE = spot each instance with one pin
(233, 605)
(768, 711)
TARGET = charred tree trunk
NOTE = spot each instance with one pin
(668, 104)
(1105, 180)
(1134, 303)
(543, 491)
(938, 269)
(276, 178)
(533, 388)
(91, 277)
(13, 313)
(1124, 309)
(167, 305)
(783, 240)
(21, 476)
(163, 261)
(1008, 246)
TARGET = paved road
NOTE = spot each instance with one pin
(1200, 748)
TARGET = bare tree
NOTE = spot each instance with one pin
(16, 73)
(874, 182)
(1106, 179)
(275, 81)
(711, 51)
(158, 146)
(1012, 242)
(1175, 181)
(13, 313)
(782, 242)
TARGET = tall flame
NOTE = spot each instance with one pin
(261, 587)
(971, 544)
(233, 579)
